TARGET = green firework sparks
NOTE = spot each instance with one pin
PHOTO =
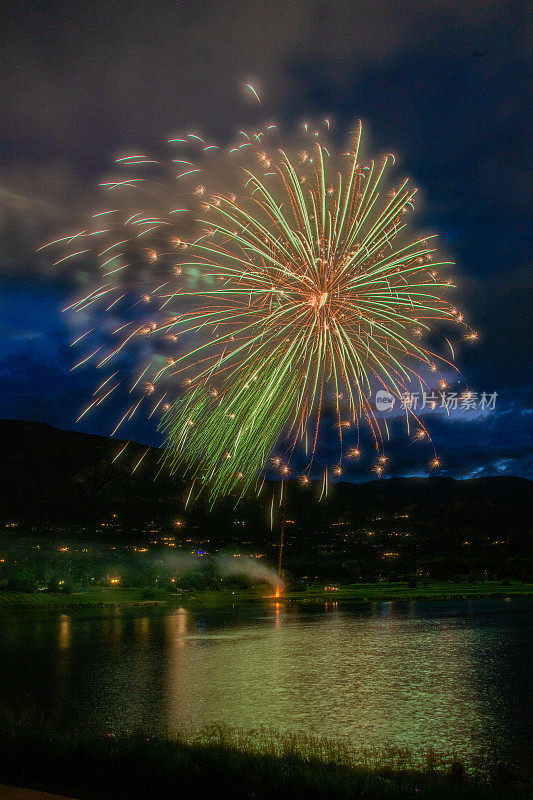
(302, 291)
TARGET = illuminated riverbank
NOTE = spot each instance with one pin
(383, 591)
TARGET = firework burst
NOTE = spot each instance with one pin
(270, 308)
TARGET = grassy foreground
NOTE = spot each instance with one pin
(231, 765)
(382, 591)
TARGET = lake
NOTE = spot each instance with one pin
(452, 675)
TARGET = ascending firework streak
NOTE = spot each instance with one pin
(289, 303)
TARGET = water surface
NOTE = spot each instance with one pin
(452, 675)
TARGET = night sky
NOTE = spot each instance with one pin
(444, 85)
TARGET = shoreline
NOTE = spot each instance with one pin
(363, 593)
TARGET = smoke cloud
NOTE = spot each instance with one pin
(225, 565)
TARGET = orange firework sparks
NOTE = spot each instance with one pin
(286, 284)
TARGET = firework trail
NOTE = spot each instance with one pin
(258, 312)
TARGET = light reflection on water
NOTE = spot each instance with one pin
(448, 675)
